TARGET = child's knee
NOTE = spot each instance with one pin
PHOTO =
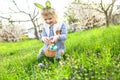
(62, 52)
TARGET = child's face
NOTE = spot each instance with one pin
(50, 20)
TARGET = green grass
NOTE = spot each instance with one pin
(90, 55)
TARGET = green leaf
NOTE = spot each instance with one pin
(39, 5)
(48, 4)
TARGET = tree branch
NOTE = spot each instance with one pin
(113, 1)
(4, 18)
(19, 8)
(101, 5)
(13, 20)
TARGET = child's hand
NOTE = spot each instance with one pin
(55, 38)
(46, 40)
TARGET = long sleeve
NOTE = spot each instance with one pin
(63, 35)
(44, 34)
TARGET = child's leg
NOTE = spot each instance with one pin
(41, 53)
(62, 52)
(59, 54)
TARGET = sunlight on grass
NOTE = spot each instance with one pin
(90, 55)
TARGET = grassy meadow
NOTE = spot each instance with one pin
(90, 55)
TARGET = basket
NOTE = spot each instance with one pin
(50, 53)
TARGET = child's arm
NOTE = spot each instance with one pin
(63, 35)
(44, 36)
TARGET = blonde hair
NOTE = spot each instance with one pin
(48, 12)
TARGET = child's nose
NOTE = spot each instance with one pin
(48, 21)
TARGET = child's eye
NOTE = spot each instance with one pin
(45, 19)
(49, 18)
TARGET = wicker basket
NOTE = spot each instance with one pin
(50, 53)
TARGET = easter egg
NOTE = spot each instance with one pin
(51, 47)
(55, 47)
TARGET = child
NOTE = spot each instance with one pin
(49, 32)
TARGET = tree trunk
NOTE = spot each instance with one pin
(107, 19)
(35, 28)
